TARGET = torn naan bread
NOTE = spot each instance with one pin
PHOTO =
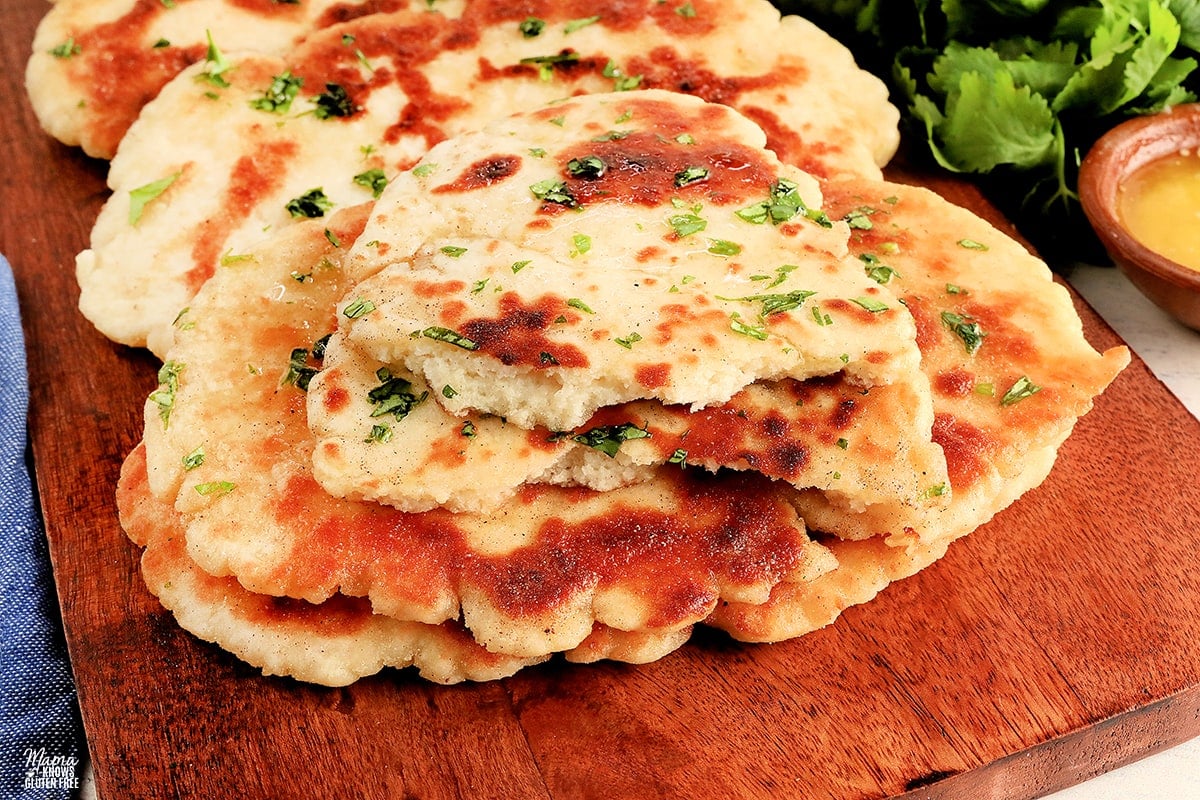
(228, 446)
(550, 265)
(381, 436)
(1011, 373)
(355, 104)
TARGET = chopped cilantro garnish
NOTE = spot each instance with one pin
(423, 170)
(298, 373)
(164, 396)
(554, 191)
(689, 175)
(965, 328)
(588, 167)
(774, 303)
(753, 331)
(66, 49)
(687, 10)
(454, 252)
(611, 136)
(449, 392)
(609, 438)
(621, 83)
(194, 459)
(843, 443)
(576, 24)
(678, 457)
(1020, 390)
(820, 317)
(783, 202)
(724, 247)
(531, 27)
(468, 429)
(380, 434)
(876, 270)
(687, 224)
(581, 244)
(971, 244)
(439, 334)
(520, 265)
(215, 488)
(628, 341)
(546, 64)
(372, 179)
(311, 204)
(860, 218)
(278, 97)
(215, 64)
(333, 238)
(393, 395)
(358, 308)
(575, 302)
(870, 304)
(141, 196)
(333, 102)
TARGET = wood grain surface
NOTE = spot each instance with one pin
(1059, 641)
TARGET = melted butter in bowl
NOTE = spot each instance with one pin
(1160, 205)
(1140, 189)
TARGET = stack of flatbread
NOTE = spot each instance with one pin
(493, 333)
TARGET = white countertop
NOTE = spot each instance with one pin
(1172, 352)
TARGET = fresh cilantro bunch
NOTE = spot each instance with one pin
(1016, 91)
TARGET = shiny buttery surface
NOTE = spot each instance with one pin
(1160, 204)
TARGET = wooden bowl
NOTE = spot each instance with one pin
(1127, 147)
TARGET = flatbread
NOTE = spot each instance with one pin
(228, 446)
(863, 449)
(946, 260)
(333, 643)
(95, 63)
(378, 91)
(543, 305)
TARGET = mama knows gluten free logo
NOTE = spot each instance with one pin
(45, 771)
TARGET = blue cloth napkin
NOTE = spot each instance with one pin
(40, 735)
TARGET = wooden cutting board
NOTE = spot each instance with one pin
(1059, 641)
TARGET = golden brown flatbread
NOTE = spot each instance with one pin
(228, 446)
(333, 643)
(1011, 374)
(95, 63)
(356, 104)
(675, 260)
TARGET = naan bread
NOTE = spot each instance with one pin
(228, 446)
(862, 448)
(1011, 374)
(95, 63)
(333, 643)
(541, 290)
(378, 91)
